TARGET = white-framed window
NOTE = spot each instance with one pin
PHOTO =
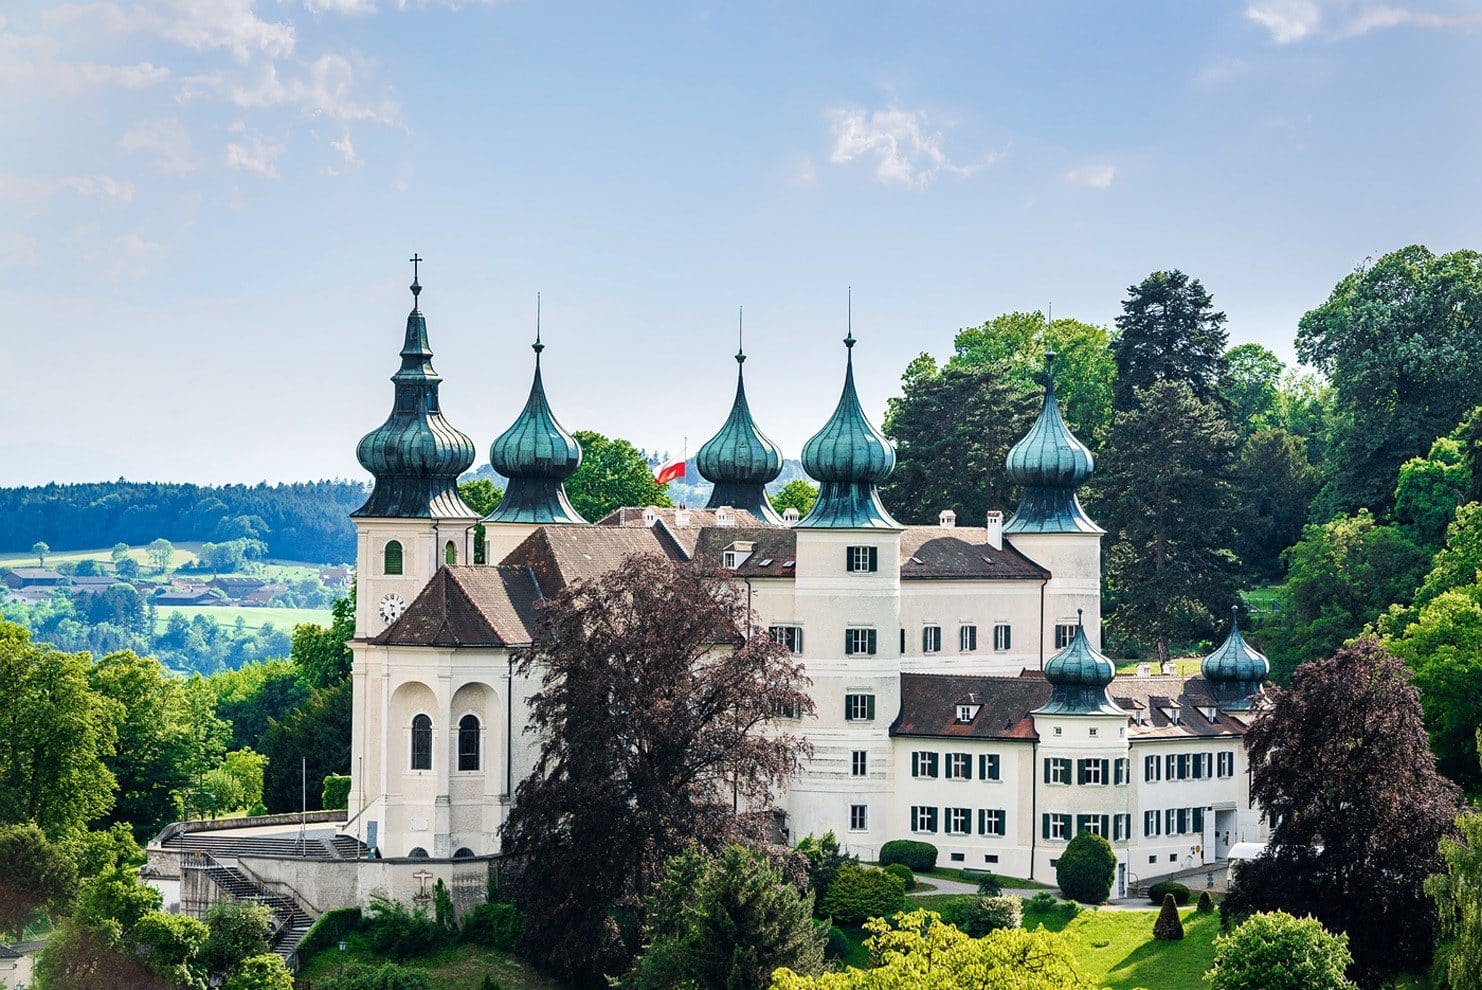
(859, 641)
(989, 766)
(1226, 764)
(1057, 730)
(1055, 827)
(1121, 771)
(992, 821)
(959, 821)
(1064, 634)
(861, 560)
(959, 766)
(967, 639)
(931, 639)
(1151, 769)
(1092, 772)
(1095, 824)
(1003, 637)
(1093, 731)
(789, 636)
(1150, 823)
(923, 818)
(1121, 828)
(1057, 770)
(923, 764)
(731, 559)
(859, 707)
(966, 713)
(859, 763)
(859, 817)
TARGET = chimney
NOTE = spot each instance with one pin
(681, 518)
(1168, 669)
(995, 529)
(650, 516)
(790, 516)
(725, 516)
(1143, 670)
(947, 519)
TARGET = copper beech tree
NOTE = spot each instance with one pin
(658, 716)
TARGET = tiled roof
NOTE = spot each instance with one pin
(559, 555)
(36, 573)
(469, 606)
(962, 552)
(774, 552)
(929, 706)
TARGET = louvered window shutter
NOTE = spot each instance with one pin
(1045, 826)
(848, 559)
(870, 637)
(1080, 771)
(1106, 771)
(874, 558)
(1047, 771)
(870, 706)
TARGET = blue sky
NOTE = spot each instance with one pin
(206, 206)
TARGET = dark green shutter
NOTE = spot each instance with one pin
(870, 706)
(967, 770)
(871, 639)
(848, 559)
(1106, 771)
(1047, 771)
(874, 559)
(1080, 771)
(848, 642)
(1045, 826)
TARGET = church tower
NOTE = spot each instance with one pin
(1050, 527)
(414, 520)
(537, 455)
(740, 461)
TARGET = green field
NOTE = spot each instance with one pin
(273, 570)
(281, 618)
(1183, 666)
(459, 967)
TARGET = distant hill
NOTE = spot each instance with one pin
(301, 521)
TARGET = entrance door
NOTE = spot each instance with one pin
(1121, 879)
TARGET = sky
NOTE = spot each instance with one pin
(207, 206)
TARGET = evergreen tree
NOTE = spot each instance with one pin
(1276, 483)
(318, 732)
(1169, 331)
(952, 432)
(1170, 505)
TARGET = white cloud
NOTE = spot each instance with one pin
(326, 88)
(128, 256)
(348, 158)
(35, 192)
(167, 140)
(1289, 21)
(253, 152)
(33, 60)
(17, 249)
(1091, 176)
(349, 8)
(904, 149)
(201, 25)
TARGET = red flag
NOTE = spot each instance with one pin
(670, 470)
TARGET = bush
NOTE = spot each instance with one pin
(1042, 902)
(336, 793)
(1086, 869)
(1180, 893)
(1169, 927)
(260, 972)
(387, 976)
(990, 914)
(394, 930)
(904, 872)
(499, 926)
(1278, 952)
(921, 857)
(1069, 910)
(861, 892)
(239, 930)
(988, 886)
(1206, 903)
(838, 945)
(824, 857)
(327, 932)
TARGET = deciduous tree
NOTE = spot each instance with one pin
(1340, 761)
(613, 474)
(1252, 387)
(1276, 481)
(658, 709)
(317, 732)
(797, 494)
(160, 551)
(323, 654)
(1443, 648)
(1278, 952)
(40, 549)
(35, 876)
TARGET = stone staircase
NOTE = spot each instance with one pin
(224, 845)
(290, 922)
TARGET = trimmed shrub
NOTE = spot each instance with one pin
(1169, 927)
(1042, 902)
(921, 857)
(838, 945)
(861, 892)
(990, 914)
(1278, 952)
(239, 930)
(904, 872)
(1086, 869)
(387, 976)
(988, 886)
(499, 926)
(1180, 893)
(327, 932)
(336, 793)
(1206, 903)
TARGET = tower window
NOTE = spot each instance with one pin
(421, 743)
(1064, 634)
(450, 553)
(967, 638)
(931, 639)
(861, 560)
(1002, 637)
(859, 817)
(859, 763)
(393, 557)
(859, 641)
(468, 742)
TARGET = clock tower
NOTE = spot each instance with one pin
(414, 521)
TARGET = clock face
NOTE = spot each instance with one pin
(392, 606)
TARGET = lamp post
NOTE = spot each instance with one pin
(342, 957)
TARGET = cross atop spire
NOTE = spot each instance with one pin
(416, 259)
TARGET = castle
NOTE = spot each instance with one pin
(961, 695)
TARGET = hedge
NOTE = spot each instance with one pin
(497, 925)
(327, 932)
(861, 892)
(904, 872)
(921, 857)
(1179, 891)
(336, 793)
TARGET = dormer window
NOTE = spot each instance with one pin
(736, 554)
(650, 516)
(966, 714)
(1210, 714)
(1173, 714)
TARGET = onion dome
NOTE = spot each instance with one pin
(537, 455)
(1050, 464)
(1235, 670)
(1079, 676)
(848, 458)
(740, 460)
(415, 456)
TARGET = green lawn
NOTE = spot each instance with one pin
(1261, 599)
(1018, 883)
(1183, 666)
(273, 570)
(458, 967)
(281, 618)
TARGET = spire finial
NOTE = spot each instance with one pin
(416, 260)
(537, 346)
(849, 339)
(740, 338)
(1078, 614)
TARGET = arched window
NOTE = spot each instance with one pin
(463, 852)
(450, 553)
(468, 742)
(393, 557)
(417, 853)
(421, 743)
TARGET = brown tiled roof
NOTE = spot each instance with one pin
(962, 553)
(774, 553)
(698, 518)
(929, 706)
(469, 606)
(561, 554)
